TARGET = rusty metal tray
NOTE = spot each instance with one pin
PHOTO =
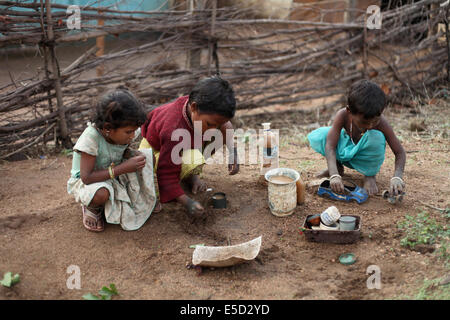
(331, 236)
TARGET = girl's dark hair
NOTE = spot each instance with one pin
(366, 98)
(119, 108)
(214, 95)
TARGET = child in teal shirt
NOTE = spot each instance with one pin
(357, 140)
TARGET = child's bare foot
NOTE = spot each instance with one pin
(325, 173)
(158, 207)
(93, 219)
(196, 184)
(370, 184)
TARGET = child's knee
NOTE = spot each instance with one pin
(100, 197)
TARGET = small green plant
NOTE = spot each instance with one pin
(446, 213)
(9, 280)
(431, 290)
(105, 293)
(420, 229)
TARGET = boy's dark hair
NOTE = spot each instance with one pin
(120, 108)
(366, 98)
(214, 95)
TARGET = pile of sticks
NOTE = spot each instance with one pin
(269, 62)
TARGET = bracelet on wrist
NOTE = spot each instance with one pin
(335, 176)
(398, 178)
(111, 171)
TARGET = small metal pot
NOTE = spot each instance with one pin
(219, 200)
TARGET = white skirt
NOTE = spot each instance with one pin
(132, 196)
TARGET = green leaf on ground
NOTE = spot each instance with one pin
(9, 280)
(105, 293)
(196, 245)
(90, 296)
(108, 292)
(15, 279)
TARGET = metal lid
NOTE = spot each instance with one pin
(347, 259)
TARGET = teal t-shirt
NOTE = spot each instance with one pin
(366, 156)
(94, 144)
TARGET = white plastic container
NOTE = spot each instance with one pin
(330, 216)
(282, 194)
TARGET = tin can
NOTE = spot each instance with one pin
(347, 223)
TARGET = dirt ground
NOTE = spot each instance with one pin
(41, 232)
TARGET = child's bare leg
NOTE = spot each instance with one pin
(95, 206)
(325, 173)
(370, 184)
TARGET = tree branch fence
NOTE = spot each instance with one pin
(268, 61)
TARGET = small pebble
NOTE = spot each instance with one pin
(280, 232)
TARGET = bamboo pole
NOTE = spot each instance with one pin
(100, 41)
(194, 56)
(447, 37)
(212, 46)
(364, 56)
(64, 132)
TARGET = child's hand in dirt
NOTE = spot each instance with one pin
(397, 186)
(133, 164)
(194, 208)
(337, 185)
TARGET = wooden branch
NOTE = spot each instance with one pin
(267, 61)
(30, 144)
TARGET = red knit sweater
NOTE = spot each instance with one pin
(158, 128)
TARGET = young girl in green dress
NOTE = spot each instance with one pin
(110, 180)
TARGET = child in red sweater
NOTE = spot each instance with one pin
(210, 104)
